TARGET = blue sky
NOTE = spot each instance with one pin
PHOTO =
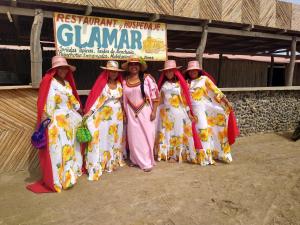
(293, 1)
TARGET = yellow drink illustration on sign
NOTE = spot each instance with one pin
(153, 45)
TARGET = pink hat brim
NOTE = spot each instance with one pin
(170, 68)
(72, 68)
(192, 68)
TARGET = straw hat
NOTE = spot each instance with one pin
(112, 65)
(58, 61)
(135, 59)
(193, 65)
(170, 64)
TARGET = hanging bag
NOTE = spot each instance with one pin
(38, 138)
(83, 134)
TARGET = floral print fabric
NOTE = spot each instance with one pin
(65, 152)
(175, 138)
(105, 150)
(212, 115)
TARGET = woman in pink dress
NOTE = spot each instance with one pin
(140, 99)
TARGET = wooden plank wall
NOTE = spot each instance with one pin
(295, 24)
(17, 119)
(185, 8)
(210, 9)
(269, 13)
(284, 15)
(232, 11)
(242, 73)
(250, 11)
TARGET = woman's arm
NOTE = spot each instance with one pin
(50, 105)
(216, 94)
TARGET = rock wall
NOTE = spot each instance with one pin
(266, 111)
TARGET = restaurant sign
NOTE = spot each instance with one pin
(87, 37)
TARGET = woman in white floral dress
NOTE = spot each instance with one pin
(104, 115)
(61, 159)
(211, 109)
(175, 139)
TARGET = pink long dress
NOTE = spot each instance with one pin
(140, 130)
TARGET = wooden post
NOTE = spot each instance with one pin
(290, 74)
(35, 49)
(201, 47)
(271, 71)
(219, 69)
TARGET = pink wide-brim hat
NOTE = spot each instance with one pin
(193, 65)
(59, 61)
(170, 64)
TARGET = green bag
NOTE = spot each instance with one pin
(83, 134)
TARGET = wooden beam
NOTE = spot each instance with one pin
(226, 31)
(202, 45)
(23, 11)
(283, 31)
(231, 43)
(88, 10)
(255, 47)
(290, 74)
(249, 27)
(16, 22)
(179, 27)
(35, 49)
(219, 69)
(175, 27)
(270, 78)
(154, 17)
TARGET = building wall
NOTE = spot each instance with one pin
(17, 122)
(234, 73)
(266, 111)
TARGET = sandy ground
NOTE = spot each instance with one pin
(261, 186)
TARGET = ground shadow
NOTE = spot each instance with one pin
(287, 135)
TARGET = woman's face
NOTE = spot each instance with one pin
(112, 74)
(134, 68)
(169, 74)
(193, 74)
(62, 71)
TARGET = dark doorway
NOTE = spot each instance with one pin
(278, 78)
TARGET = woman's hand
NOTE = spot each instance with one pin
(152, 116)
(194, 119)
(44, 116)
(124, 118)
(227, 103)
(80, 111)
(88, 115)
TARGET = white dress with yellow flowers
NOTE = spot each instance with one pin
(212, 116)
(65, 152)
(174, 139)
(105, 150)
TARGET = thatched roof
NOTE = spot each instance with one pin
(267, 13)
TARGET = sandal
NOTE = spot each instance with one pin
(147, 170)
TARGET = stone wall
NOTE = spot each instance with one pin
(266, 111)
